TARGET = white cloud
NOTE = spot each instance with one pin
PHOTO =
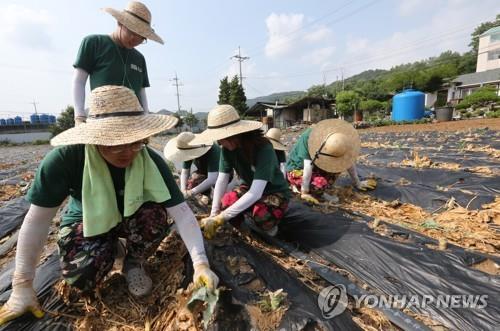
(25, 28)
(410, 7)
(447, 28)
(320, 34)
(319, 56)
(282, 30)
(357, 45)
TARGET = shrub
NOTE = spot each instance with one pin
(484, 96)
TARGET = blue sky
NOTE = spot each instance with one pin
(292, 44)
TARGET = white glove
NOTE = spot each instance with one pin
(204, 276)
(22, 300)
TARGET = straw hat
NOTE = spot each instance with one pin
(179, 148)
(334, 145)
(115, 118)
(274, 136)
(137, 18)
(223, 121)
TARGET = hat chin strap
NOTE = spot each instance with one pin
(318, 152)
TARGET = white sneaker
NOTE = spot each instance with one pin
(139, 283)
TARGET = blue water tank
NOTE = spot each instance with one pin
(18, 120)
(10, 121)
(34, 119)
(52, 119)
(3, 122)
(44, 119)
(408, 105)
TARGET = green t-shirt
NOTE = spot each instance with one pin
(281, 156)
(299, 152)
(208, 162)
(266, 168)
(109, 64)
(61, 174)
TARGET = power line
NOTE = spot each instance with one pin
(389, 54)
(177, 84)
(260, 47)
(240, 59)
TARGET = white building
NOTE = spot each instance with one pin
(488, 55)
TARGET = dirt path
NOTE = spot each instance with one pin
(490, 123)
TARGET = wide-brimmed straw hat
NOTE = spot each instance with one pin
(333, 145)
(137, 18)
(115, 118)
(223, 122)
(274, 136)
(179, 149)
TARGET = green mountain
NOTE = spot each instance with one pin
(280, 97)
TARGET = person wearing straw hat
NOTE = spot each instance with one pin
(118, 188)
(112, 59)
(274, 136)
(320, 154)
(204, 156)
(263, 194)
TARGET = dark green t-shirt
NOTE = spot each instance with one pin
(109, 64)
(266, 168)
(281, 156)
(208, 162)
(61, 173)
(299, 152)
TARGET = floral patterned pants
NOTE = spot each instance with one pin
(85, 261)
(266, 212)
(320, 180)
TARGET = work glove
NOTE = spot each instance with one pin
(209, 225)
(309, 198)
(367, 185)
(187, 194)
(22, 300)
(204, 276)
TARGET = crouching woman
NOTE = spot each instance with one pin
(264, 193)
(118, 188)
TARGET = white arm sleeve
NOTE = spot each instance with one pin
(190, 232)
(206, 184)
(144, 100)
(79, 80)
(184, 179)
(32, 238)
(247, 200)
(283, 168)
(306, 176)
(353, 173)
(220, 189)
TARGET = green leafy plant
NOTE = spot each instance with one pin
(272, 301)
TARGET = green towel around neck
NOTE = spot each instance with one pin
(143, 182)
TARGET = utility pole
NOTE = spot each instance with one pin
(34, 105)
(325, 95)
(240, 59)
(177, 84)
(342, 71)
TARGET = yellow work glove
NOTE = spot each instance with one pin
(204, 276)
(22, 300)
(367, 185)
(309, 198)
(209, 225)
